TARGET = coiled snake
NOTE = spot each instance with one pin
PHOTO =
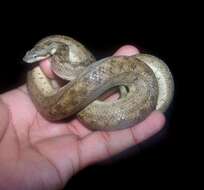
(145, 84)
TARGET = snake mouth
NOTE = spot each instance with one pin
(31, 57)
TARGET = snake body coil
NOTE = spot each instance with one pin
(146, 80)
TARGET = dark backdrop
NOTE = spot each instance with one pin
(160, 161)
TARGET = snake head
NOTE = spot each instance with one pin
(39, 52)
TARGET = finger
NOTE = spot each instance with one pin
(101, 145)
(45, 65)
(4, 121)
(127, 50)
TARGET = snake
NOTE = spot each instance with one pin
(144, 81)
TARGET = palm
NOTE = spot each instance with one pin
(55, 147)
(45, 154)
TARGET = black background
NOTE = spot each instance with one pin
(164, 160)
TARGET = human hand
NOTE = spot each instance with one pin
(38, 154)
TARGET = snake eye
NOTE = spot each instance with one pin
(52, 51)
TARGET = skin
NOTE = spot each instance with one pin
(147, 78)
(38, 154)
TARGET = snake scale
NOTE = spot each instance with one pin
(145, 84)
